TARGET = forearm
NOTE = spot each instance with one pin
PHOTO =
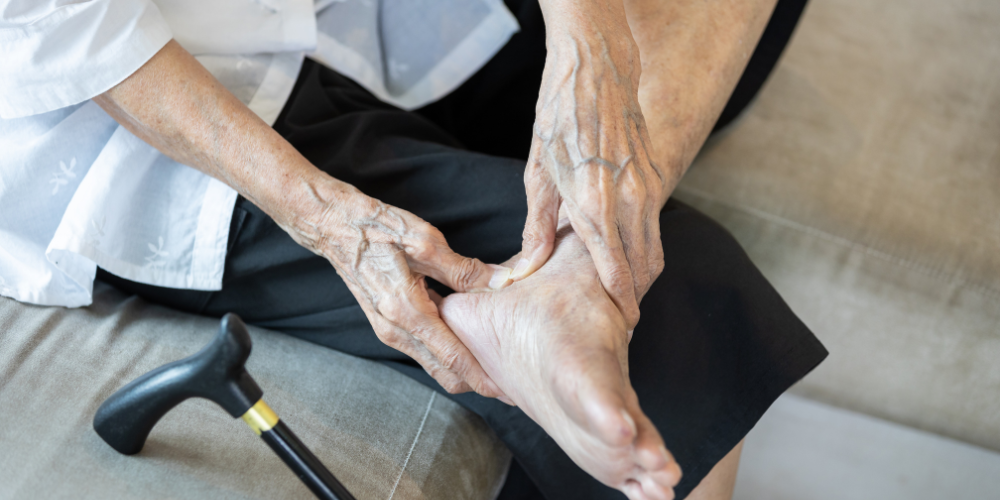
(177, 106)
(693, 53)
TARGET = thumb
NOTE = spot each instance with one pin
(463, 274)
(540, 227)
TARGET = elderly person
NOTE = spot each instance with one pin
(301, 194)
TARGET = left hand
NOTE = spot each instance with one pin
(591, 152)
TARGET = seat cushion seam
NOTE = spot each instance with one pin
(423, 422)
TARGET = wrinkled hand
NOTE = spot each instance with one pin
(591, 153)
(383, 254)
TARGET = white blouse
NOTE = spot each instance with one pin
(79, 191)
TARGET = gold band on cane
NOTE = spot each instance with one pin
(260, 417)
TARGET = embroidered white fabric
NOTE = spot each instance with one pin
(78, 191)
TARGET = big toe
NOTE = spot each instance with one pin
(608, 419)
(595, 398)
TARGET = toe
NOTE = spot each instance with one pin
(650, 453)
(591, 392)
(655, 490)
(652, 456)
(610, 422)
(668, 477)
(633, 490)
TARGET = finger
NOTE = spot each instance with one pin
(401, 340)
(394, 309)
(632, 222)
(543, 218)
(605, 246)
(430, 255)
(420, 317)
(463, 274)
(655, 259)
(456, 358)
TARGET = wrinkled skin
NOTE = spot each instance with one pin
(556, 344)
(382, 252)
(591, 151)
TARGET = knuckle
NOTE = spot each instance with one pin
(532, 171)
(423, 247)
(450, 359)
(633, 183)
(619, 280)
(452, 384)
(592, 203)
(393, 309)
(454, 387)
(534, 236)
(466, 273)
(657, 264)
(536, 178)
(642, 281)
(483, 390)
(389, 309)
(632, 315)
(391, 338)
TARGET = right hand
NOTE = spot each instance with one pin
(383, 254)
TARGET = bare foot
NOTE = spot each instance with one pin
(557, 346)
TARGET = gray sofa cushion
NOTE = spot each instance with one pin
(865, 183)
(382, 434)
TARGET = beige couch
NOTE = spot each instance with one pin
(865, 182)
(383, 435)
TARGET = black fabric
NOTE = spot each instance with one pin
(716, 344)
(765, 56)
(494, 110)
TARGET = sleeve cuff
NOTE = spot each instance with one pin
(75, 53)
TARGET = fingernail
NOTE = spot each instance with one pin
(501, 275)
(520, 269)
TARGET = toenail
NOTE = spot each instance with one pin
(501, 275)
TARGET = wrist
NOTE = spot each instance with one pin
(312, 208)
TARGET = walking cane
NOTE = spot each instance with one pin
(216, 373)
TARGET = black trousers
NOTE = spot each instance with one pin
(716, 344)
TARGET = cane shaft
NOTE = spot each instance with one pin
(305, 465)
(296, 456)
